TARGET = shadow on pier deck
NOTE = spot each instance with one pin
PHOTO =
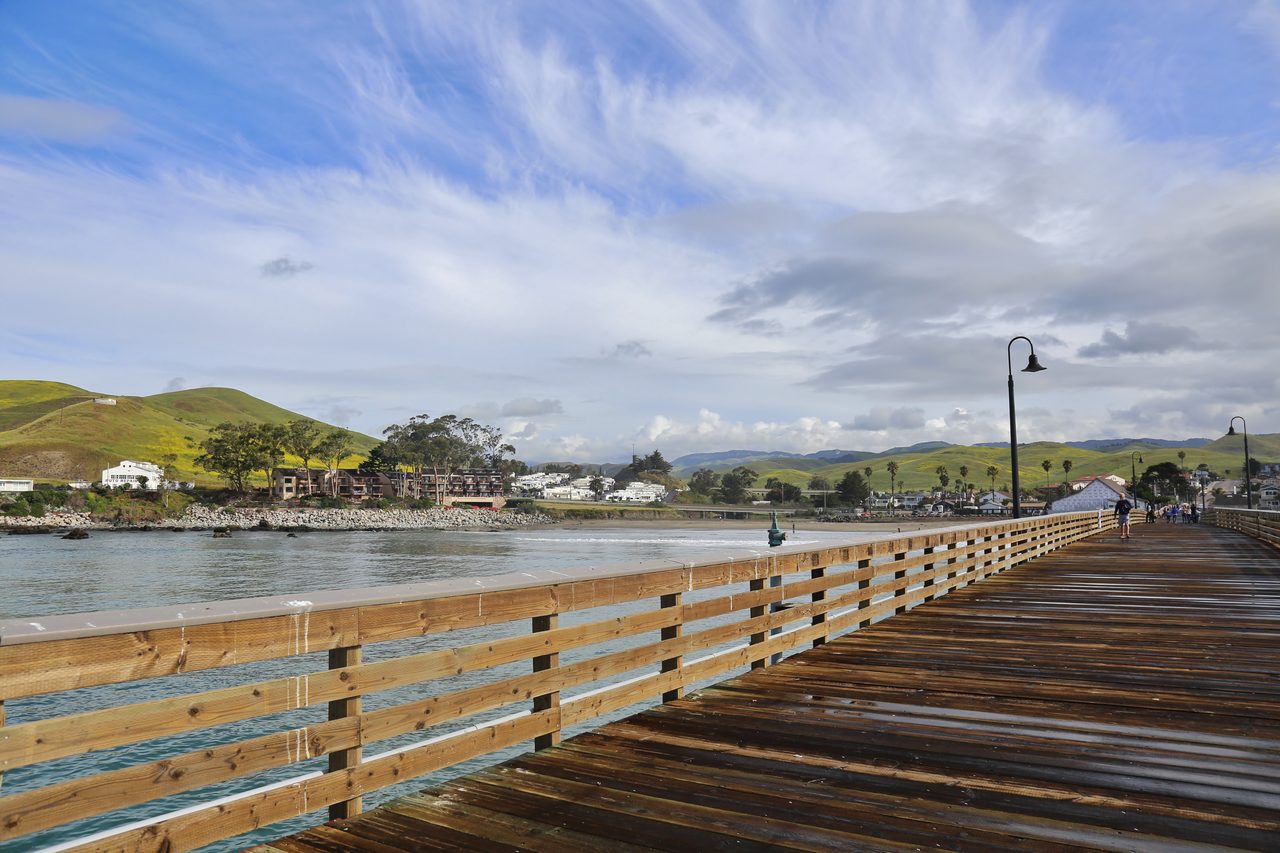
(1113, 695)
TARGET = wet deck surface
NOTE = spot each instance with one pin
(1114, 696)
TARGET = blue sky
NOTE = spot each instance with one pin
(675, 225)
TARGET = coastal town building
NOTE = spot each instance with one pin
(463, 486)
(638, 492)
(15, 484)
(1098, 493)
(1080, 482)
(135, 475)
(1269, 497)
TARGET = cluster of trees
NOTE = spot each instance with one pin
(650, 469)
(236, 451)
(730, 487)
(441, 445)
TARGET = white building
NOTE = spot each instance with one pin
(638, 492)
(130, 473)
(1269, 497)
(1099, 493)
(13, 484)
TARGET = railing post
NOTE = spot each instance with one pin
(761, 636)
(821, 618)
(344, 759)
(864, 584)
(672, 632)
(899, 575)
(542, 663)
(928, 567)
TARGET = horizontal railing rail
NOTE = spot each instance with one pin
(352, 668)
(1263, 524)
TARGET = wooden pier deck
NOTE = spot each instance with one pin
(1112, 696)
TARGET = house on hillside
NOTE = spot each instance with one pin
(1080, 482)
(12, 484)
(1098, 493)
(132, 474)
(1269, 497)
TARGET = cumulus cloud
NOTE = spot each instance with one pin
(630, 349)
(528, 407)
(1143, 338)
(880, 419)
(284, 268)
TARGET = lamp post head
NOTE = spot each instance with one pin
(1139, 458)
(1231, 430)
(1033, 365)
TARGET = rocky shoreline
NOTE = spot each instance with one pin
(198, 517)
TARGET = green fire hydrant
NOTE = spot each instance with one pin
(776, 536)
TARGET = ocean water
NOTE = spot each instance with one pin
(45, 575)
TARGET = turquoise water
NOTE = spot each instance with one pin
(45, 575)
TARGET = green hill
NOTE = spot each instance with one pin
(917, 470)
(53, 431)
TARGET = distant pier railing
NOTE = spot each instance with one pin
(1261, 524)
(350, 668)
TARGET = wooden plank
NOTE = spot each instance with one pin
(30, 669)
(187, 831)
(44, 740)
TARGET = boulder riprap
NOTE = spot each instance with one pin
(198, 517)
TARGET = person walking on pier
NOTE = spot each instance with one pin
(1122, 510)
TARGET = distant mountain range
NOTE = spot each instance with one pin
(727, 459)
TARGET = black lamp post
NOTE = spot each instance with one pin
(1033, 366)
(1231, 430)
(1133, 470)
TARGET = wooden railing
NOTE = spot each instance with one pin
(635, 633)
(1261, 524)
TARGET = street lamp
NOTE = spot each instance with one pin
(1133, 489)
(1033, 366)
(1231, 430)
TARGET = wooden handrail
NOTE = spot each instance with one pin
(1262, 524)
(684, 624)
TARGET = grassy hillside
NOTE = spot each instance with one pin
(916, 470)
(50, 431)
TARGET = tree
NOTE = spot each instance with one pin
(169, 465)
(992, 473)
(964, 474)
(1182, 457)
(852, 488)
(892, 467)
(1047, 465)
(143, 479)
(866, 472)
(301, 437)
(231, 451)
(704, 482)
(269, 439)
(445, 443)
(333, 448)
(597, 486)
(1067, 465)
(734, 485)
(943, 478)
(1160, 480)
(653, 463)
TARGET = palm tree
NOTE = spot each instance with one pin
(1067, 465)
(1182, 457)
(964, 474)
(867, 473)
(992, 472)
(943, 478)
(892, 468)
(1047, 465)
